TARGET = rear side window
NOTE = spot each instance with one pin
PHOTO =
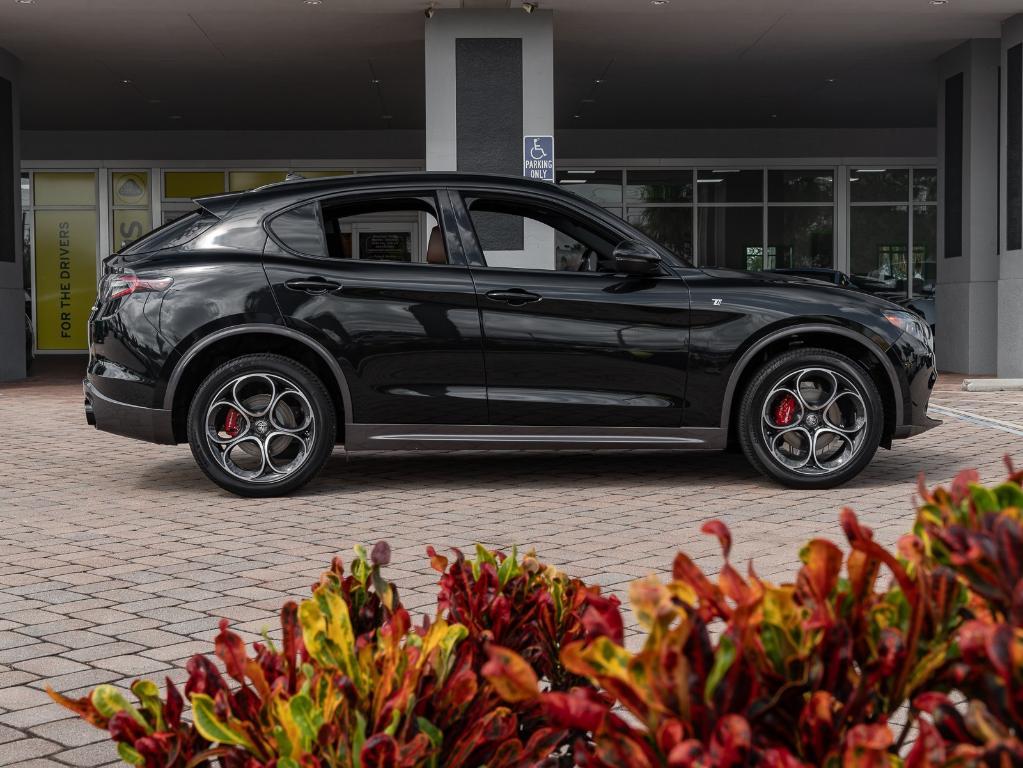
(301, 230)
(173, 234)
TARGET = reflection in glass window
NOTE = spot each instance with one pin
(800, 237)
(879, 248)
(925, 185)
(878, 185)
(600, 187)
(925, 249)
(725, 185)
(803, 186)
(670, 226)
(659, 186)
(731, 237)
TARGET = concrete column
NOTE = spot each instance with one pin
(967, 287)
(489, 82)
(1010, 266)
(12, 296)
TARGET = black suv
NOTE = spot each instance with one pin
(454, 311)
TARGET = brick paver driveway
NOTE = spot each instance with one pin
(117, 558)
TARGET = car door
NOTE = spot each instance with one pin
(568, 341)
(380, 280)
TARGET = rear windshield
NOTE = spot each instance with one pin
(172, 234)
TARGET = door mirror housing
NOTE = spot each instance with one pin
(635, 258)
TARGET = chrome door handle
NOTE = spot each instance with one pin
(514, 296)
(315, 285)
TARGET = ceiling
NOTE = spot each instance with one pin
(285, 64)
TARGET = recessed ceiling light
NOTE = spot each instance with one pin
(154, 101)
(375, 81)
(386, 117)
(174, 117)
(576, 116)
(598, 80)
(831, 80)
(659, 2)
(126, 81)
(24, 2)
(774, 117)
(312, 2)
(589, 101)
(938, 2)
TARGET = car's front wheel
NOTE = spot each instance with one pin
(811, 418)
(261, 425)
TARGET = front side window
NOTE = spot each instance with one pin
(516, 235)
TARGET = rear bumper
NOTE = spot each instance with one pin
(150, 424)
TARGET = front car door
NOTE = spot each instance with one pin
(380, 280)
(570, 342)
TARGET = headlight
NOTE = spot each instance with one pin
(910, 323)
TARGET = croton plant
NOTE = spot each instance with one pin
(912, 657)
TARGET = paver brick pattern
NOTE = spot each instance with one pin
(118, 558)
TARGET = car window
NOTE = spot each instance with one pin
(526, 236)
(300, 229)
(173, 234)
(385, 229)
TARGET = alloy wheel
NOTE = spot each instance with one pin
(260, 427)
(814, 421)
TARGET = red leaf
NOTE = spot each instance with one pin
(603, 618)
(581, 708)
(720, 531)
(379, 751)
(439, 563)
(510, 674)
(929, 749)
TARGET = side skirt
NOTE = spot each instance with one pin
(443, 437)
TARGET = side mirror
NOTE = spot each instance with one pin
(636, 258)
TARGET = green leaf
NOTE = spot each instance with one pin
(1009, 495)
(358, 738)
(129, 754)
(287, 762)
(509, 569)
(433, 733)
(307, 717)
(392, 727)
(723, 660)
(212, 727)
(108, 701)
(149, 696)
(983, 499)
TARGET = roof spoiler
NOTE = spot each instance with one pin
(219, 205)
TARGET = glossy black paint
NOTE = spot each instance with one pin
(429, 344)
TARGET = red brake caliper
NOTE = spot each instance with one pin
(784, 411)
(231, 422)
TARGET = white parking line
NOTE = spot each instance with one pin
(973, 418)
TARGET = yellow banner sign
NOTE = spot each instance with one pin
(65, 277)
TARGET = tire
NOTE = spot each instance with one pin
(810, 436)
(261, 451)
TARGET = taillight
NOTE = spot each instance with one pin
(127, 283)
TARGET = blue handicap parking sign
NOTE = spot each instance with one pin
(538, 157)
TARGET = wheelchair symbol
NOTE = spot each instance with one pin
(536, 152)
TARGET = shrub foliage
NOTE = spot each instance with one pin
(869, 658)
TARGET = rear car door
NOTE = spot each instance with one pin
(380, 280)
(568, 340)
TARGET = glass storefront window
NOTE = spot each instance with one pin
(803, 186)
(726, 185)
(925, 185)
(242, 181)
(802, 236)
(925, 249)
(878, 185)
(731, 237)
(601, 187)
(670, 226)
(879, 248)
(186, 185)
(644, 186)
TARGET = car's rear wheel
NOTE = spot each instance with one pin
(811, 418)
(261, 425)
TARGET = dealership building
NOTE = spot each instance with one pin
(880, 138)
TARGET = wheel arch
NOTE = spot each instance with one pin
(835, 338)
(205, 355)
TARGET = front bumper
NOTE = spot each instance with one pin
(921, 373)
(150, 424)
